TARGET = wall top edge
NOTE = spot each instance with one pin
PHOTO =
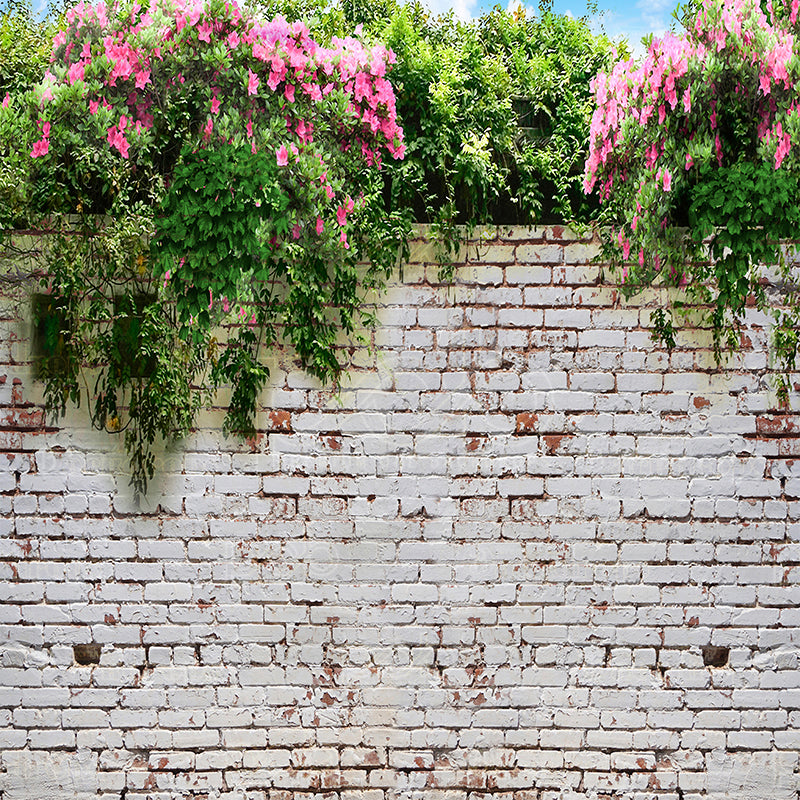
(477, 234)
(486, 234)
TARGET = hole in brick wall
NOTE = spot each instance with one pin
(86, 653)
(715, 656)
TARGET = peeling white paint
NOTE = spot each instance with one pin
(752, 776)
(40, 775)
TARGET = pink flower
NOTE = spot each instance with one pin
(142, 78)
(320, 225)
(45, 129)
(116, 138)
(252, 82)
(288, 91)
(40, 148)
(295, 231)
(283, 156)
(784, 146)
(93, 106)
(341, 215)
(214, 105)
(687, 101)
(75, 72)
(6, 100)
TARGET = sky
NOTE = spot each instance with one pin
(630, 18)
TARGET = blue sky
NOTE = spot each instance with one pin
(630, 18)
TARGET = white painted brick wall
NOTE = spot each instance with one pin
(494, 566)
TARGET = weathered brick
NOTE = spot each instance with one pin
(521, 554)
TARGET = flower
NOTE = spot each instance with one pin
(252, 82)
(282, 156)
(40, 148)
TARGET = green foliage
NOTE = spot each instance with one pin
(495, 114)
(212, 220)
(695, 152)
(25, 45)
(123, 338)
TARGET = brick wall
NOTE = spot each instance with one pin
(522, 555)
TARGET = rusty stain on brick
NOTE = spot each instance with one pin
(526, 422)
(280, 420)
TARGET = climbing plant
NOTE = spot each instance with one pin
(694, 153)
(200, 167)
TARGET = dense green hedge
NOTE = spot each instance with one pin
(495, 110)
(203, 200)
(25, 45)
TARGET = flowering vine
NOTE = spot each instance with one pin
(694, 151)
(236, 164)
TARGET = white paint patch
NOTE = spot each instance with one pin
(38, 775)
(755, 776)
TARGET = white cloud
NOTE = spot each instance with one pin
(463, 9)
(648, 16)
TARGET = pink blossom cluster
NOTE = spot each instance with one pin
(656, 120)
(42, 147)
(134, 62)
(643, 94)
(109, 47)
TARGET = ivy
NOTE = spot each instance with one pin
(203, 168)
(694, 153)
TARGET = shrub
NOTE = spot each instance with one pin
(25, 45)
(495, 113)
(694, 153)
(225, 172)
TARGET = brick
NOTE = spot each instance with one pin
(493, 559)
